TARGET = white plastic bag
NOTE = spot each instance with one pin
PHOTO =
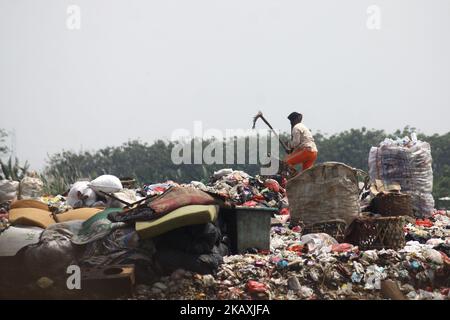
(374, 275)
(106, 183)
(8, 190)
(408, 164)
(317, 241)
(17, 237)
(80, 195)
(222, 172)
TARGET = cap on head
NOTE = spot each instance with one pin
(295, 116)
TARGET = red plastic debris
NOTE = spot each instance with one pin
(258, 197)
(424, 223)
(250, 203)
(445, 291)
(265, 252)
(275, 260)
(296, 248)
(260, 263)
(440, 212)
(159, 189)
(256, 287)
(297, 229)
(272, 185)
(341, 247)
(285, 211)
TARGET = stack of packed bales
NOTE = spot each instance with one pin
(406, 162)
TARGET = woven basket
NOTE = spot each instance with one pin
(377, 233)
(128, 183)
(392, 204)
(324, 192)
(335, 228)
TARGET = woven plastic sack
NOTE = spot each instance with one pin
(31, 188)
(106, 183)
(324, 192)
(8, 190)
(408, 165)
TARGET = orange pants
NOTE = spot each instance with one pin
(301, 156)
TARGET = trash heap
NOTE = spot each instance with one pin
(316, 266)
(93, 227)
(244, 190)
(102, 227)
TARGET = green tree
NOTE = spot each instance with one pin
(12, 170)
(152, 163)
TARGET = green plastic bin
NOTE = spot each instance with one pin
(251, 228)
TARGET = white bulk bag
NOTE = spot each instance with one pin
(106, 183)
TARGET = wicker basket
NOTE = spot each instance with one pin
(377, 233)
(128, 183)
(392, 204)
(325, 192)
(335, 228)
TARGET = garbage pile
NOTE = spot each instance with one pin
(100, 224)
(173, 236)
(245, 190)
(316, 266)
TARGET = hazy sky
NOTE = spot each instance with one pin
(141, 69)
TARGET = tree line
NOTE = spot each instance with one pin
(152, 163)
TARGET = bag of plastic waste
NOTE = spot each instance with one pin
(408, 163)
(31, 188)
(106, 183)
(317, 241)
(8, 190)
(54, 252)
(81, 195)
(222, 172)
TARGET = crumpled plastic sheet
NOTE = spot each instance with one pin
(54, 252)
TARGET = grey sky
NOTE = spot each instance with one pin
(140, 69)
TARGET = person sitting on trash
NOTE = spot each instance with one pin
(303, 149)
